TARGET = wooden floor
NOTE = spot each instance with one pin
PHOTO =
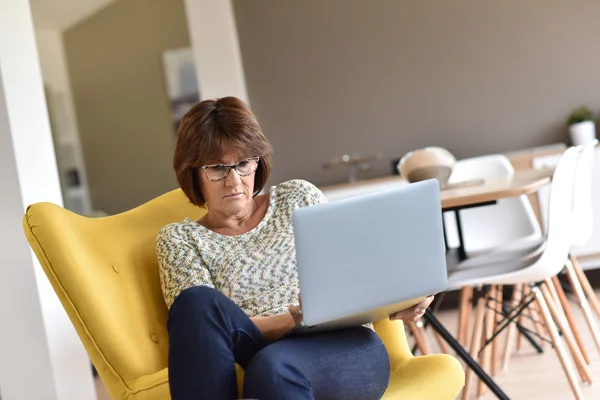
(529, 376)
(539, 376)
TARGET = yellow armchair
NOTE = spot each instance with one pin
(105, 273)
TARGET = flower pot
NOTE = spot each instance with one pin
(582, 133)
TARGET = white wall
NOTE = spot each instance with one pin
(214, 39)
(41, 356)
(63, 117)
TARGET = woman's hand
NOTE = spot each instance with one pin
(413, 313)
(276, 326)
(296, 312)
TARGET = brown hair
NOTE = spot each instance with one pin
(209, 130)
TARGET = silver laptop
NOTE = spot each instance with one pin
(363, 258)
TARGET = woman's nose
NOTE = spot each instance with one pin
(233, 179)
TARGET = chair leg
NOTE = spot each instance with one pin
(543, 298)
(461, 307)
(585, 306)
(558, 301)
(587, 287)
(567, 334)
(497, 321)
(566, 309)
(511, 329)
(526, 291)
(487, 351)
(475, 343)
(441, 343)
(534, 313)
(563, 307)
(420, 338)
(464, 315)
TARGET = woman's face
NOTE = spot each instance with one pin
(229, 196)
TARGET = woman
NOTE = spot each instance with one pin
(230, 279)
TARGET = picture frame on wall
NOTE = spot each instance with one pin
(181, 82)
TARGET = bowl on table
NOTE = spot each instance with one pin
(427, 163)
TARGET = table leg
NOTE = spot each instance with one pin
(464, 355)
(462, 252)
(445, 233)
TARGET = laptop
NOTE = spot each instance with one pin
(363, 258)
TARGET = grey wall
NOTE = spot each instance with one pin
(332, 76)
(117, 76)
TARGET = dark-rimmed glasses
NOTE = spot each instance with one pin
(218, 172)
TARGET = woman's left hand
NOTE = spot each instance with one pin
(413, 313)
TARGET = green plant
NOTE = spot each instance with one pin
(580, 114)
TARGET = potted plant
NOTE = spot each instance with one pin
(581, 126)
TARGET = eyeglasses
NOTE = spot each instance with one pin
(218, 172)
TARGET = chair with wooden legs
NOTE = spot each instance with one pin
(583, 215)
(582, 230)
(583, 225)
(536, 270)
(514, 221)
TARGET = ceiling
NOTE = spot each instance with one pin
(62, 14)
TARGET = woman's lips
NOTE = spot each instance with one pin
(233, 196)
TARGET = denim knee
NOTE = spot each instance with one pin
(268, 368)
(197, 302)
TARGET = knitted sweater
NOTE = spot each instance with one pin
(257, 270)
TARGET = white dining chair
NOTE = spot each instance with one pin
(537, 269)
(583, 214)
(583, 227)
(582, 230)
(488, 227)
(509, 224)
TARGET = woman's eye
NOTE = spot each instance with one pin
(218, 168)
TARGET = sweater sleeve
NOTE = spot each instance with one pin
(302, 193)
(180, 265)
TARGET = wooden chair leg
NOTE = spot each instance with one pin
(583, 303)
(534, 320)
(587, 287)
(557, 289)
(461, 308)
(540, 326)
(567, 334)
(511, 329)
(557, 303)
(420, 338)
(526, 291)
(487, 351)
(544, 299)
(497, 321)
(536, 316)
(475, 344)
(441, 343)
(464, 315)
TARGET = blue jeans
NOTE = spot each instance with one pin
(209, 333)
